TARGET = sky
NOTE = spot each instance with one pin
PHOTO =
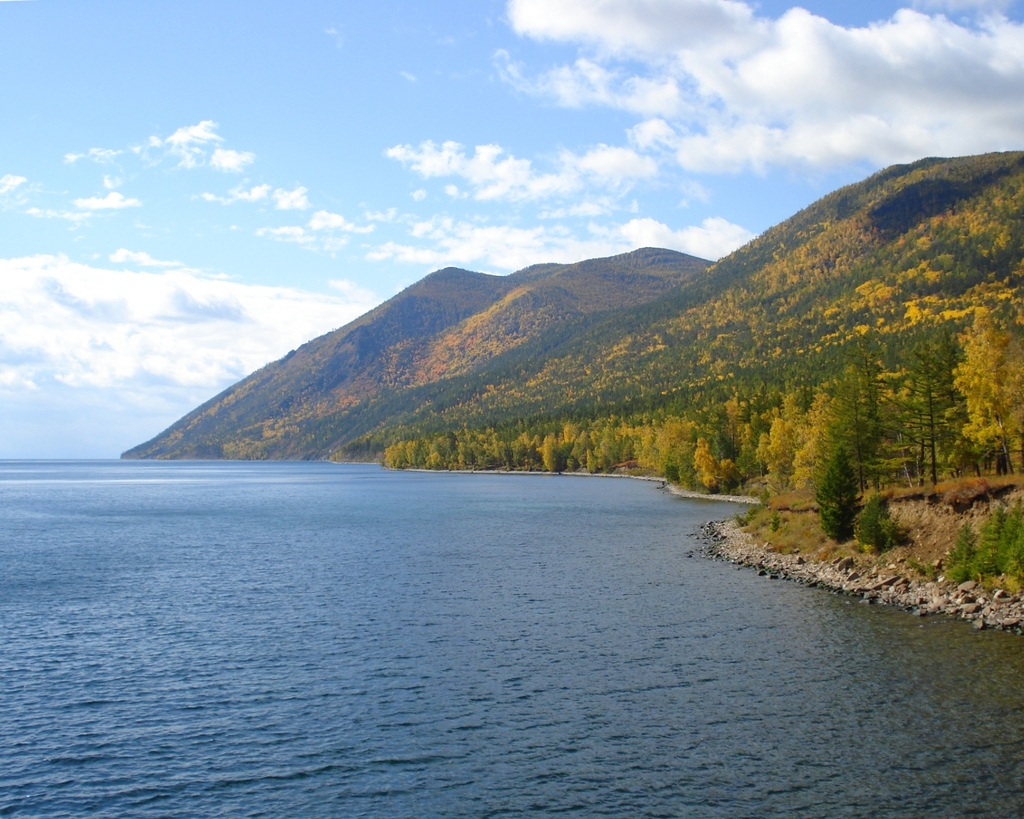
(189, 190)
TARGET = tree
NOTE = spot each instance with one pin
(550, 453)
(812, 444)
(837, 496)
(985, 379)
(856, 407)
(706, 464)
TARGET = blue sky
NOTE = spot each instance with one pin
(191, 189)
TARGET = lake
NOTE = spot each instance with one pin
(321, 640)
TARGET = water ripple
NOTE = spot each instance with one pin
(273, 640)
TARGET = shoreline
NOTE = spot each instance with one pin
(886, 586)
(675, 490)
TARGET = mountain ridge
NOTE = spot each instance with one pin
(888, 261)
(447, 324)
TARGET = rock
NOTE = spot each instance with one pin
(845, 563)
(968, 585)
(1010, 622)
(970, 608)
(978, 624)
(999, 594)
(883, 583)
(800, 561)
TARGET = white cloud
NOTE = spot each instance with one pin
(442, 241)
(257, 193)
(419, 195)
(494, 175)
(72, 216)
(289, 233)
(291, 200)
(111, 182)
(405, 75)
(388, 215)
(109, 347)
(112, 201)
(587, 82)
(321, 233)
(353, 291)
(712, 239)
(188, 143)
(139, 258)
(101, 156)
(81, 325)
(230, 161)
(8, 182)
(723, 89)
(323, 220)
(580, 209)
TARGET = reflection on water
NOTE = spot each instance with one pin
(321, 640)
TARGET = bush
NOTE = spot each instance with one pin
(837, 497)
(998, 549)
(960, 566)
(876, 531)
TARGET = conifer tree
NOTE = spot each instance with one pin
(837, 497)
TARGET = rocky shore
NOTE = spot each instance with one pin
(886, 585)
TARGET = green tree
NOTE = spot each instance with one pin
(837, 496)
(876, 531)
(857, 414)
(962, 557)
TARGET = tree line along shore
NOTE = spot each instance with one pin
(840, 468)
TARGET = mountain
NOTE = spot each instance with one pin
(451, 323)
(900, 257)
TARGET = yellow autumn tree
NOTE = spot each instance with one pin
(812, 449)
(986, 382)
(776, 448)
(706, 465)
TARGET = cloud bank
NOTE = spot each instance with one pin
(154, 341)
(445, 241)
(722, 89)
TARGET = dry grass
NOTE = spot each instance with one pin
(797, 500)
(788, 531)
(959, 490)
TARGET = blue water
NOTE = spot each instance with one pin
(292, 640)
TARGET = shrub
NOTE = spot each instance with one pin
(876, 531)
(961, 559)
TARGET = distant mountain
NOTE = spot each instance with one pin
(451, 323)
(890, 260)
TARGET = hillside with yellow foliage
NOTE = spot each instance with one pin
(884, 319)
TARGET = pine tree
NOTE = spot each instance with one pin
(837, 497)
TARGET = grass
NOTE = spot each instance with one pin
(787, 531)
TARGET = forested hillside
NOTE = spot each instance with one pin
(883, 319)
(451, 323)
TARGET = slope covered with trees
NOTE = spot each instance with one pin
(450, 324)
(883, 319)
